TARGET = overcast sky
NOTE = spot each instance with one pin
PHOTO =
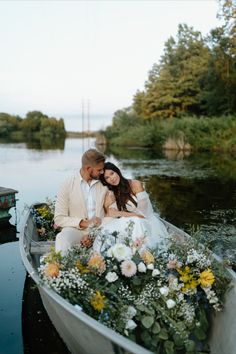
(54, 54)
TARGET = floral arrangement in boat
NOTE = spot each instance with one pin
(161, 300)
(43, 216)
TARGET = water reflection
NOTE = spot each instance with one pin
(8, 233)
(193, 202)
(192, 191)
(176, 154)
(198, 189)
(39, 335)
(41, 143)
(46, 144)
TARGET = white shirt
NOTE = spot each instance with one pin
(89, 193)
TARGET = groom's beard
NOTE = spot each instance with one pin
(94, 177)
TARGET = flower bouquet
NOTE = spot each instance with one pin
(43, 216)
(163, 300)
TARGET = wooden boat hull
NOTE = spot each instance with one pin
(84, 335)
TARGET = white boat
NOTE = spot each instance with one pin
(84, 335)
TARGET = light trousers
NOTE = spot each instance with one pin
(68, 237)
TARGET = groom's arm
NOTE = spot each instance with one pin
(61, 215)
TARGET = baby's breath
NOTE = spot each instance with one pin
(165, 300)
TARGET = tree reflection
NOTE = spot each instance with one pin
(39, 143)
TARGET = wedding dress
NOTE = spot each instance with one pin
(150, 231)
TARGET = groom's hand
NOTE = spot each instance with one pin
(86, 241)
(95, 221)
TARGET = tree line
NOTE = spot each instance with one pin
(195, 77)
(34, 125)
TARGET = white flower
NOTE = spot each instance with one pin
(109, 252)
(131, 312)
(130, 324)
(155, 272)
(164, 290)
(128, 268)
(120, 252)
(150, 266)
(190, 259)
(170, 303)
(111, 277)
(141, 267)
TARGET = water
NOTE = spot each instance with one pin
(195, 190)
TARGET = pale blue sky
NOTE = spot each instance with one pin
(56, 53)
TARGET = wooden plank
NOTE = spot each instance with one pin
(41, 247)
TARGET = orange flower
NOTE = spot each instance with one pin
(147, 257)
(52, 270)
(96, 263)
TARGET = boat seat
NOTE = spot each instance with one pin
(41, 247)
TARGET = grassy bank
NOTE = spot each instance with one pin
(189, 133)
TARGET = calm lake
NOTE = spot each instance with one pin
(196, 192)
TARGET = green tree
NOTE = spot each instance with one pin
(219, 84)
(174, 85)
(9, 123)
(32, 122)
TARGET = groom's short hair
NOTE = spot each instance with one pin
(92, 157)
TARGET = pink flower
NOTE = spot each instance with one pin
(139, 242)
(128, 268)
(173, 264)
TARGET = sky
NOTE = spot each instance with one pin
(57, 54)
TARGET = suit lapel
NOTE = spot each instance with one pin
(80, 196)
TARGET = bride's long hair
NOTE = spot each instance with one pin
(123, 192)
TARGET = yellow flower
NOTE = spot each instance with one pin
(206, 278)
(81, 267)
(52, 270)
(98, 301)
(185, 275)
(44, 212)
(193, 283)
(147, 257)
(96, 263)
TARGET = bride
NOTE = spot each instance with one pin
(128, 213)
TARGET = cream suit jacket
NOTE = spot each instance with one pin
(70, 206)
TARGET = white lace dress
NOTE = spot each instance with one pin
(150, 231)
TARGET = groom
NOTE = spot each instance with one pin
(79, 203)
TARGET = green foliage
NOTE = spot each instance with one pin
(195, 75)
(34, 125)
(202, 134)
(173, 86)
(166, 312)
(9, 123)
(37, 122)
